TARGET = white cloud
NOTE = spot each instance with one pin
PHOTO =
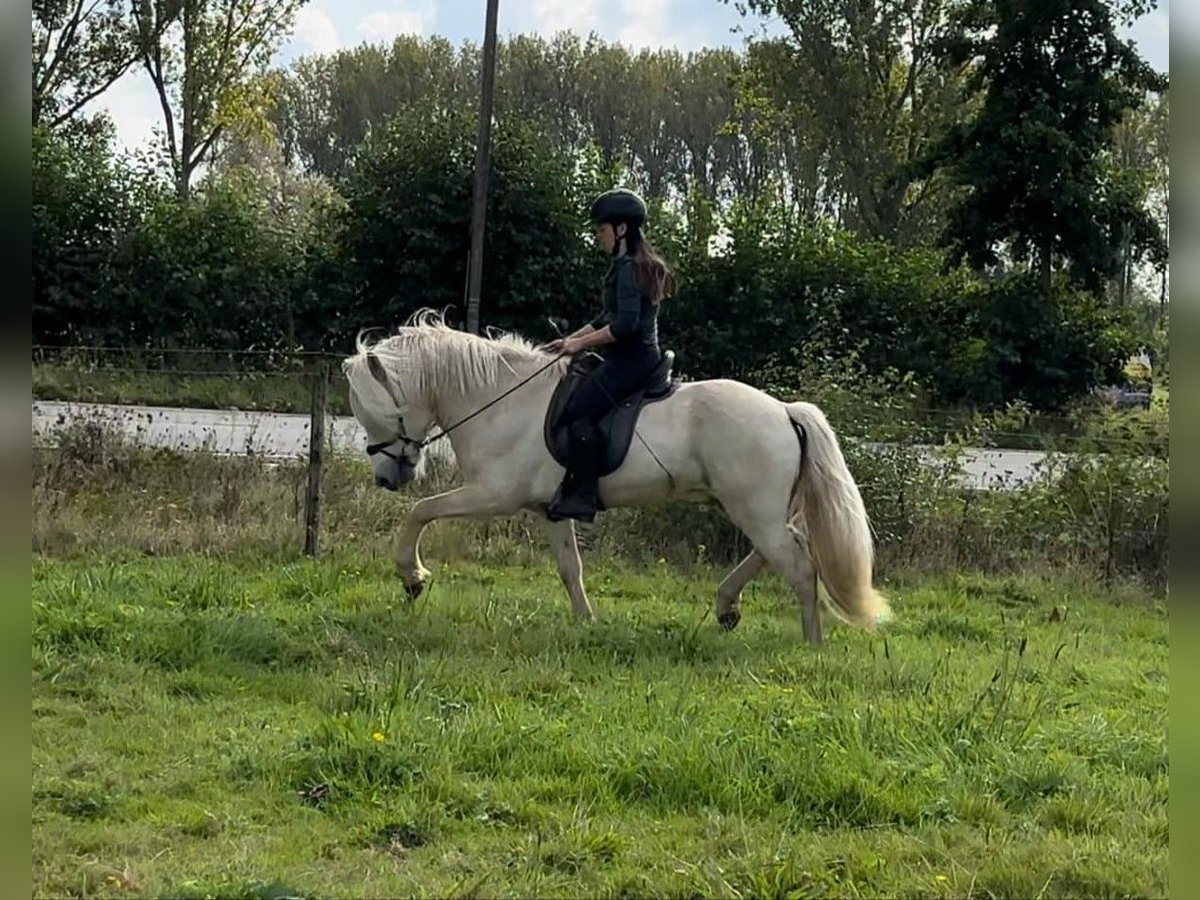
(387, 26)
(133, 105)
(634, 23)
(580, 16)
(1151, 33)
(645, 23)
(314, 32)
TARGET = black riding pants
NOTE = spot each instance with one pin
(620, 375)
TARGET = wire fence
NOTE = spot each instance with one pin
(272, 380)
(291, 405)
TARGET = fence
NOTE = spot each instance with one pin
(182, 398)
(277, 406)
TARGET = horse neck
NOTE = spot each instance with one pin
(469, 415)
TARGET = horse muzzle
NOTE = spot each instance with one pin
(400, 474)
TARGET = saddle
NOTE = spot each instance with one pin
(617, 427)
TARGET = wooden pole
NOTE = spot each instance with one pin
(316, 461)
(482, 164)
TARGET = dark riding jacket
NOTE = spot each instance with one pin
(630, 313)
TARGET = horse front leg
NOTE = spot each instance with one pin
(570, 566)
(468, 501)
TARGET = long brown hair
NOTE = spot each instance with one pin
(654, 276)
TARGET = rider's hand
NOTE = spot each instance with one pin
(554, 346)
(571, 346)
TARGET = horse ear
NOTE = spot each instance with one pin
(377, 370)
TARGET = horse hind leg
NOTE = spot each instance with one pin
(786, 549)
(806, 587)
(729, 591)
(783, 546)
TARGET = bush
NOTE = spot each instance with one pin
(407, 228)
(236, 267)
(216, 271)
(85, 202)
(1012, 345)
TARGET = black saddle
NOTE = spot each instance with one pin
(617, 426)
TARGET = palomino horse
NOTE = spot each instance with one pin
(775, 468)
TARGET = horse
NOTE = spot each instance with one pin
(775, 468)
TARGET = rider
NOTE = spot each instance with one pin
(626, 332)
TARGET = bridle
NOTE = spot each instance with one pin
(381, 448)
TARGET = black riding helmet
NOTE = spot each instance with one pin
(619, 205)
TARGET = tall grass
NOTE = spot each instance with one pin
(1104, 517)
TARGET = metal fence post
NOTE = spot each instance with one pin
(316, 460)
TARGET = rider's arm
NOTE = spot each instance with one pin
(596, 338)
(607, 329)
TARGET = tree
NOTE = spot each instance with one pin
(1139, 171)
(1057, 80)
(327, 105)
(80, 48)
(202, 56)
(85, 201)
(860, 87)
(704, 98)
(408, 225)
(655, 112)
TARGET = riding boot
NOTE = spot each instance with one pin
(576, 497)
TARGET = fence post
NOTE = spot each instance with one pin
(316, 461)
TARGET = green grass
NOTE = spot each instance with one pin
(210, 726)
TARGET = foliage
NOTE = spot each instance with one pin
(215, 271)
(408, 218)
(781, 296)
(85, 203)
(80, 49)
(659, 112)
(262, 255)
(202, 57)
(1057, 80)
(1017, 345)
(853, 95)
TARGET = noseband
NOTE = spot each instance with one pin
(381, 448)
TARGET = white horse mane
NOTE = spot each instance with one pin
(427, 357)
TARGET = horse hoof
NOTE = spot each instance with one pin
(414, 588)
(729, 620)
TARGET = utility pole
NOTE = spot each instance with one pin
(482, 163)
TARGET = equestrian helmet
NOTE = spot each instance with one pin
(619, 205)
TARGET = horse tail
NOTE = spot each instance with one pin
(838, 530)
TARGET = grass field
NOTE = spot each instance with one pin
(210, 726)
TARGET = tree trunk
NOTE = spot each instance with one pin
(1123, 289)
(187, 102)
(1162, 282)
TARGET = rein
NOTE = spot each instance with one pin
(372, 449)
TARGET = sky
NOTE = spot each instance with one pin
(323, 26)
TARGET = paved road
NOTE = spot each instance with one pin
(284, 435)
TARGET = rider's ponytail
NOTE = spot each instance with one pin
(655, 277)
